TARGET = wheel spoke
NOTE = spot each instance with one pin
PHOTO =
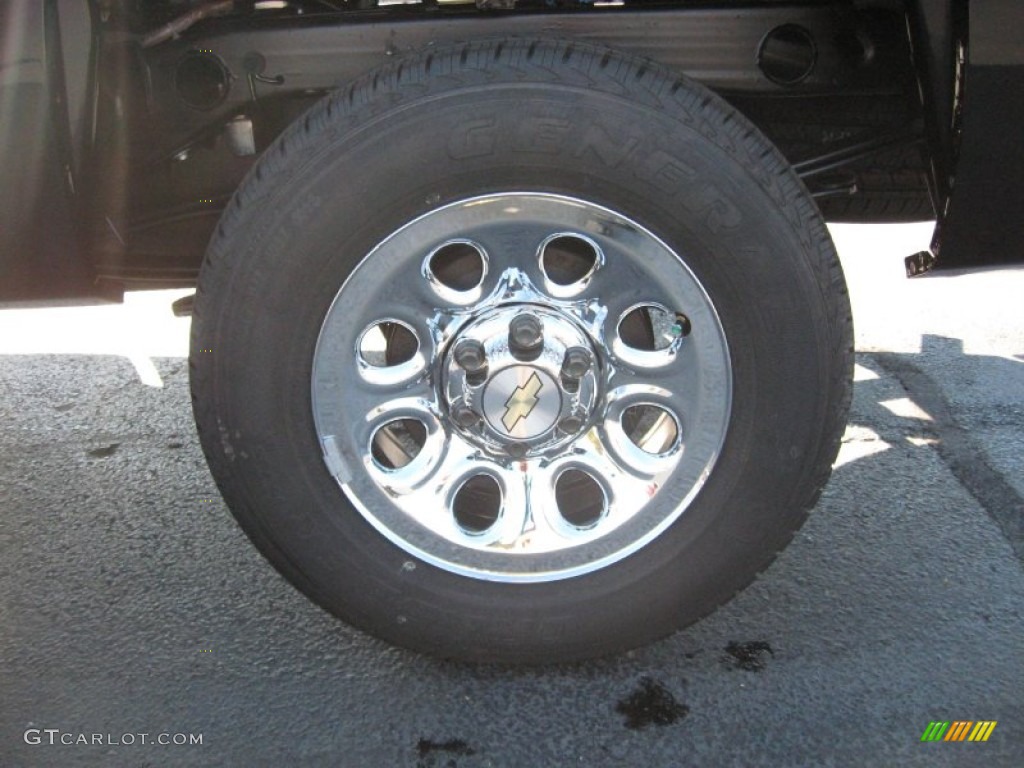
(624, 282)
(367, 408)
(674, 380)
(424, 488)
(517, 512)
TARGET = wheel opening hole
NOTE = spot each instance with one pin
(650, 328)
(650, 428)
(567, 259)
(477, 504)
(580, 498)
(387, 343)
(458, 266)
(202, 81)
(787, 54)
(397, 443)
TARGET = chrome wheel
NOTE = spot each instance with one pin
(521, 387)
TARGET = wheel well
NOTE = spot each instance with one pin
(189, 95)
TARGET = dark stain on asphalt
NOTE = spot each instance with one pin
(750, 656)
(427, 749)
(102, 453)
(651, 704)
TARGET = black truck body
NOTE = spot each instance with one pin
(128, 125)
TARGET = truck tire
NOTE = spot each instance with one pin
(521, 351)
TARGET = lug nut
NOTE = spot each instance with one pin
(570, 424)
(525, 335)
(576, 362)
(464, 415)
(516, 450)
(470, 355)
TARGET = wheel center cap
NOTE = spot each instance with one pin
(522, 402)
(520, 380)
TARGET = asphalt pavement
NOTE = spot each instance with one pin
(131, 604)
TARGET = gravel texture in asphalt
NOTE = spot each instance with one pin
(131, 604)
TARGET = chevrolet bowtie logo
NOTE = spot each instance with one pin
(521, 402)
